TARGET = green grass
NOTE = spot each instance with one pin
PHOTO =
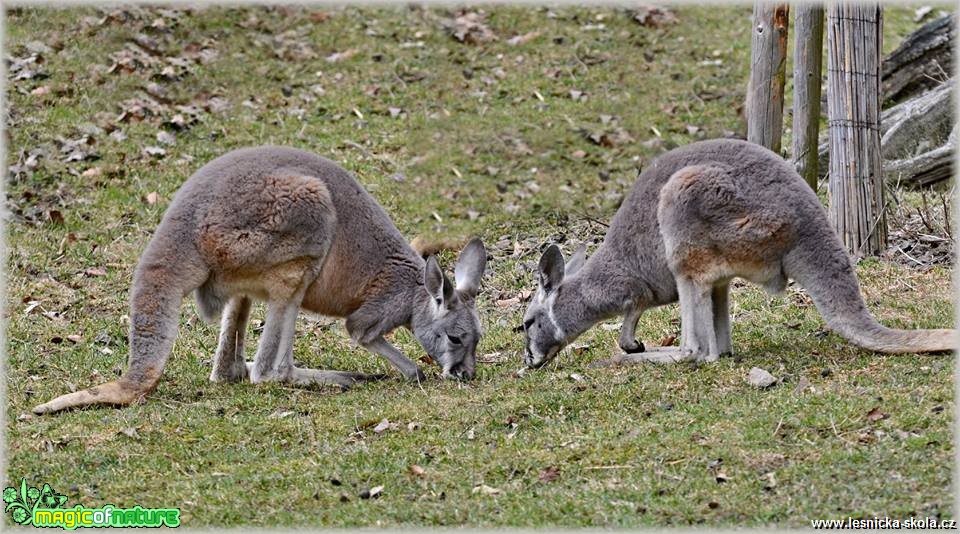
(630, 446)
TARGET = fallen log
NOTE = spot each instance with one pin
(922, 61)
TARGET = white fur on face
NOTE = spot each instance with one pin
(547, 302)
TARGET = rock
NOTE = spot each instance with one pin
(760, 378)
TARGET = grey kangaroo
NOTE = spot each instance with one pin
(295, 230)
(697, 217)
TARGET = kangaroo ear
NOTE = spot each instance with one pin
(576, 261)
(436, 283)
(551, 268)
(470, 268)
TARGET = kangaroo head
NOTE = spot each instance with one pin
(544, 336)
(448, 326)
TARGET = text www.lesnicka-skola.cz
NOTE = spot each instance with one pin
(884, 523)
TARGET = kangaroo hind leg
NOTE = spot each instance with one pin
(721, 317)
(229, 363)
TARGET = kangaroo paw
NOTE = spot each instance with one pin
(634, 347)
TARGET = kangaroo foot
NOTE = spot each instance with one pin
(233, 373)
(344, 379)
(116, 393)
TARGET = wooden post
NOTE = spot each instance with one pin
(768, 64)
(807, 68)
(853, 108)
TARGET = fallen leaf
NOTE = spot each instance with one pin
(875, 414)
(95, 271)
(154, 151)
(340, 56)
(417, 471)
(523, 39)
(383, 426)
(487, 490)
(654, 16)
(55, 216)
(667, 341)
(152, 197)
(469, 27)
(548, 474)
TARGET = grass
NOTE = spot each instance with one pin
(487, 141)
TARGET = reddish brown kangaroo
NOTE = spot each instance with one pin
(294, 230)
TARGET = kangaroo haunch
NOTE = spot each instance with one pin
(297, 231)
(697, 217)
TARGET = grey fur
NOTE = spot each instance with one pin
(697, 217)
(296, 231)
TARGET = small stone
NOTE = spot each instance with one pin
(761, 378)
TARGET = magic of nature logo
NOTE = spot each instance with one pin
(43, 507)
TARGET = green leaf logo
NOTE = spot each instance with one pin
(23, 502)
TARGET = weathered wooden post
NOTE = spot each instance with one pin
(807, 69)
(768, 64)
(853, 102)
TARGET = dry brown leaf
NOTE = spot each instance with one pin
(666, 341)
(523, 39)
(875, 414)
(548, 474)
(487, 490)
(95, 271)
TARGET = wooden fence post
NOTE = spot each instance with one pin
(807, 69)
(768, 63)
(853, 108)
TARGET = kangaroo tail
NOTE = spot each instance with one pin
(160, 283)
(824, 269)
(426, 248)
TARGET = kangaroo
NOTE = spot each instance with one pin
(697, 217)
(295, 230)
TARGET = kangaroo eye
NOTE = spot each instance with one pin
(453, 339)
